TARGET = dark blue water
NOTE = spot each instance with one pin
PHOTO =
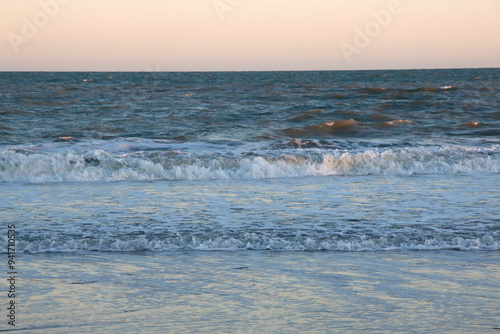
(250, 106)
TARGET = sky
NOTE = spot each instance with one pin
(247, 35)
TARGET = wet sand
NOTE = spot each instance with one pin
(259, 292)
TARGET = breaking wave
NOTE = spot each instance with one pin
(252, 241)
(22, 165)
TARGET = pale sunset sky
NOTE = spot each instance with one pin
(233, 35)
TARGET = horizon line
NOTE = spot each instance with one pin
(240, 71)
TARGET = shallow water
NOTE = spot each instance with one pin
(315, 213)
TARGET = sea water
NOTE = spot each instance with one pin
(253, 201)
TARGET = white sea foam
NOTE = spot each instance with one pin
(252, 242)
(100, 165)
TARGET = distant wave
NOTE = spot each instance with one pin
(28, 165)
(401, 91)
(398, 122)
(325, 128)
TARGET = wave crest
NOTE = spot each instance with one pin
(252, 241)
(327, 128)
(99, 165)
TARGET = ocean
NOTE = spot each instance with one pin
(251, 202)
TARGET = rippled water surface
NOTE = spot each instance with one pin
(253, 202)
